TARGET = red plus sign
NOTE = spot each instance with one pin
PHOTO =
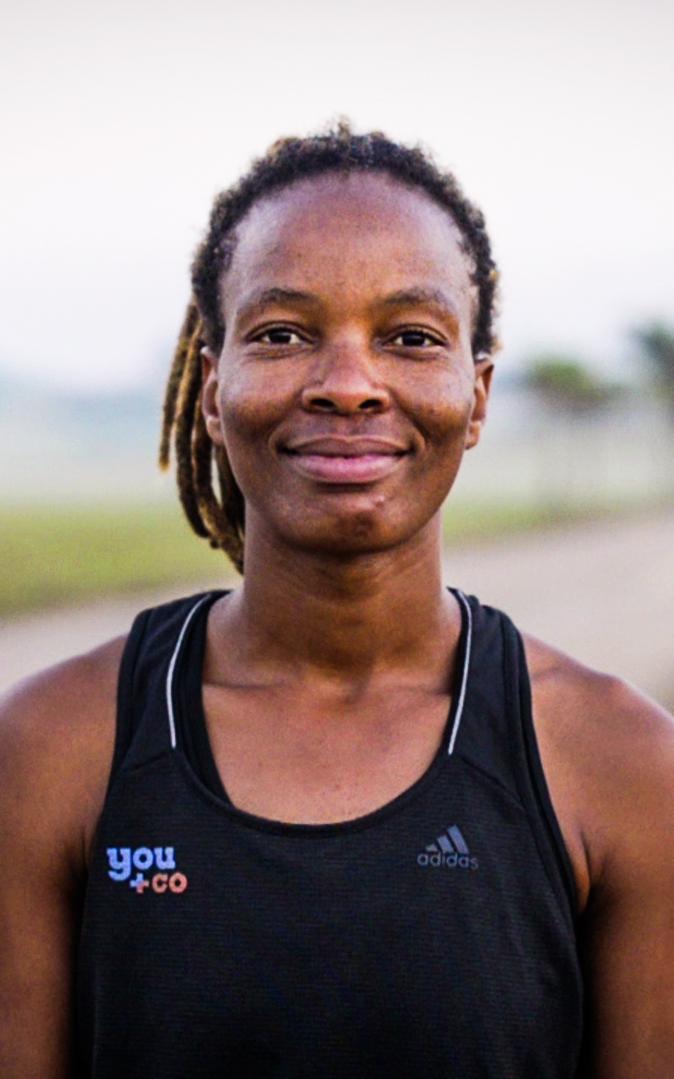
(140, 884)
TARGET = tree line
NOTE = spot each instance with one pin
(565, 382)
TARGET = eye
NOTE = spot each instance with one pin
(415, 338)
(278, 335)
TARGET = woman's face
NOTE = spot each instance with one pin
(346, 392)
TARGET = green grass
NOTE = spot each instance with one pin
(61, 555)
(489, 520)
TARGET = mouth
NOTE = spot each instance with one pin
(345, 460)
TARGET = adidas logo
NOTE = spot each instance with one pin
(450, 849)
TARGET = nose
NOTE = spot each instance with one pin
(344, 383)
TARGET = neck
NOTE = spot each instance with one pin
(344, 620)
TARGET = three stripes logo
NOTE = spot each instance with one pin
(450, 849)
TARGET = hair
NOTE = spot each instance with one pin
(219, 516)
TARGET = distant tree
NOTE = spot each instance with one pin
(566, 384)
(572, 393)
(656, 343)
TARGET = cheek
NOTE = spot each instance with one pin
(442, 409)
(247, 410)
(252, 404)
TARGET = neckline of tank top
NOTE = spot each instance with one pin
(187, 694)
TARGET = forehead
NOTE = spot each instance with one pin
(355, 232)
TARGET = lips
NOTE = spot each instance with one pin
(345, 460)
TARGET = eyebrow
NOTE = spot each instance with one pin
(275, 295)
(411, 297)
(415, 297)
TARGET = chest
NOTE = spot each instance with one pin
(289, 757)
(336, 952)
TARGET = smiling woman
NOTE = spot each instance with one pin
(341, 821)
(372, 357)
(370, 177)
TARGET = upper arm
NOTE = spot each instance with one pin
(608, 755)
(629, 921)
(56, 736)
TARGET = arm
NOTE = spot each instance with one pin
(629, 920)
(56, 737)
(608, 755)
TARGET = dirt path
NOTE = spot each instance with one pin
(603, 592)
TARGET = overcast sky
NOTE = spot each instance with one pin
(122, 120)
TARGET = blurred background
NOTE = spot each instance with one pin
(122, 121)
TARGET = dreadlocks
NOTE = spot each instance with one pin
(219, 515)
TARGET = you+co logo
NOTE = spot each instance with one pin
(122, 861)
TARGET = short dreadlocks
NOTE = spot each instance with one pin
(220, 516)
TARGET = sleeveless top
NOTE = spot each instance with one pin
(433, 937)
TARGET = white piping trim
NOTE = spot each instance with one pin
(171, 669)
(464, 676)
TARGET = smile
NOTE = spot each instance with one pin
(363, 468)
(350, 461)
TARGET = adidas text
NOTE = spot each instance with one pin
(452, 861)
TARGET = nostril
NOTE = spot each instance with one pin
(344, 399)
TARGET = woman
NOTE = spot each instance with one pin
(341, 821)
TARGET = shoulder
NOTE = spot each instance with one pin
(608, 754)
(57, 731)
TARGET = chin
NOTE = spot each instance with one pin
(361, 533)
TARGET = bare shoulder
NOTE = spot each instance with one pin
(56, 742)
(608, 754)
(57, 732)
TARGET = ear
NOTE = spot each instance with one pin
(210, 402)
(484, 370)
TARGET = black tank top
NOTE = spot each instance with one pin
(434, 937)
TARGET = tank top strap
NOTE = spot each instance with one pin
(145, 691)
(497, 736)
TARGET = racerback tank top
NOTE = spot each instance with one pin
(434, 937)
